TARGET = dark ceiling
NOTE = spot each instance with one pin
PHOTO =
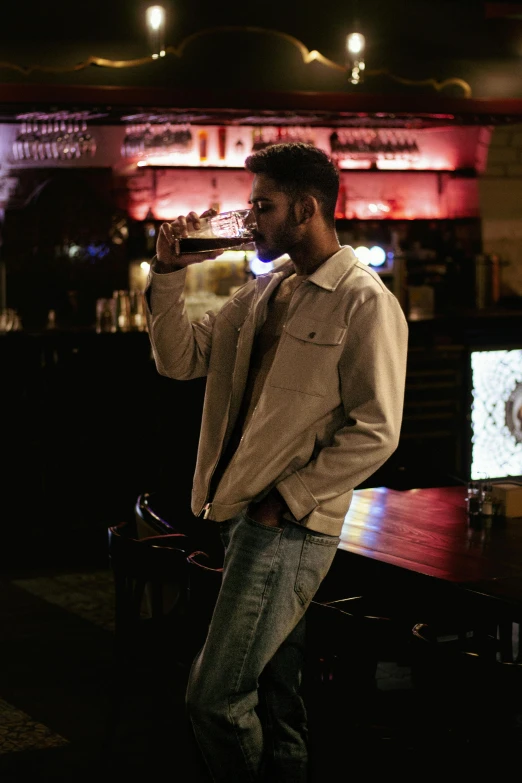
(438, 57)
(419, 28)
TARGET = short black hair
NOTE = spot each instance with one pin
(300, 168)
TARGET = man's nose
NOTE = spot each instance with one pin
(250, 221)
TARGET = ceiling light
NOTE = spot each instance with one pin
(155, 16)
(355, 46)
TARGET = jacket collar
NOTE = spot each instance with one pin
(329, 274)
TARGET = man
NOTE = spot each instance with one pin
(305, 375)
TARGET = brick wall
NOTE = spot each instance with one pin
(500, 193)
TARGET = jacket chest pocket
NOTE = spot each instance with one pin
(307, 356)
(227, 327)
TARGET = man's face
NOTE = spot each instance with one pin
(277, 230)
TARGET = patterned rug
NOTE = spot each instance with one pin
(90, 596)
(18, 731)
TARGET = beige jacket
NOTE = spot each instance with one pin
(330, 410)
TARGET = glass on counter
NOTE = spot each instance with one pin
(105, 315)
(473, 498)
(123, 312)
(9, 320)
(138, 320)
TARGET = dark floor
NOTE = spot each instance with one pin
(56, 704)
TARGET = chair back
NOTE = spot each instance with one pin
(159, 514)
(151, 588)
(149, 521)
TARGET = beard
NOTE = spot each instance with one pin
(265, 253)
(283, 238)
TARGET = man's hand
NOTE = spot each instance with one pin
(268, 511)
(166, 258)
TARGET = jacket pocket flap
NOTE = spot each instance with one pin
(312, 331)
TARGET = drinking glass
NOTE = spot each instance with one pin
(105, 315)
(224, 230)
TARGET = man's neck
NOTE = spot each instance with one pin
(307, 261)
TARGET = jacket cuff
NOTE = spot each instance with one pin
(297, 496)
(159, 270)
(164, 285)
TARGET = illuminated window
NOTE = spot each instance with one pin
(496, 413)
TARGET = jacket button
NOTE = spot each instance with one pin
(311, 335)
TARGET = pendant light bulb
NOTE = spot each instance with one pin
(155, 18)
(355, 46)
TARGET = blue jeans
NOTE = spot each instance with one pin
(243, 695)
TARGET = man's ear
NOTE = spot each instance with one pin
(308, 208)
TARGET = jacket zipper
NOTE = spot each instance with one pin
(208, 506)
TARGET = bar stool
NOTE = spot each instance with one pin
(468, 683)
(346, 639)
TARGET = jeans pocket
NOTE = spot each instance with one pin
(276, 528)
(317, 554)
(224, 531)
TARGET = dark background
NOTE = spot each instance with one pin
(87, 422)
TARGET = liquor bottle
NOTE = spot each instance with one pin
(340, 207)
(203, 144)
(222, 143)
(150, 230)
(215, 198)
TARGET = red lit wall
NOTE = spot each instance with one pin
(369, 195)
